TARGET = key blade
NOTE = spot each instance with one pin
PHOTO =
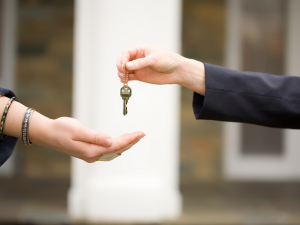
(126, 102)
(124, 107)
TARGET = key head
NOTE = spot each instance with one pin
(125, 92)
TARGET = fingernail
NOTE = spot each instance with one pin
(142, 135)
(129, 64)
(108, 142)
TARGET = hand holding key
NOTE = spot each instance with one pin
(161, 67)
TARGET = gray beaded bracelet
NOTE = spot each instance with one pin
(25, 126)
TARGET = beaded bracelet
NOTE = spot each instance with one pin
(25, 126)
(4, 116)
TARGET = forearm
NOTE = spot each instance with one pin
(248, 97)
(14, 118)
(39, 125)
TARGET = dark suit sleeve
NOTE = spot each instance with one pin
(8, 144)
(249, 97)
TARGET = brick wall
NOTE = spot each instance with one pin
(44, 76)
(201, 141)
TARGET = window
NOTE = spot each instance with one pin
(263, 45)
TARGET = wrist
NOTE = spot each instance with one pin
(41, 130)
(193, 75)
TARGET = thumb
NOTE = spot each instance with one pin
(140, 63)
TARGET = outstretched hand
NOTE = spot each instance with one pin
(161, 67)
(73, 138)
(70, 136)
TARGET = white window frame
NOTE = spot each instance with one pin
(243, 167)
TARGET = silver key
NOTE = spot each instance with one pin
(125, 93)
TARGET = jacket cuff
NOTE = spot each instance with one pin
(200, 101)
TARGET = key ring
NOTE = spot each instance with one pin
(125, 83)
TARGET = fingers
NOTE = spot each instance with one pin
(126, 141)
(119, 65)
(128, 146)
(94, 137)
(90, 152)
(126, 56)
(140, 63)
(86, 151)
(130, 77)
(131, 54)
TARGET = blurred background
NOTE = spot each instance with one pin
(215, 187)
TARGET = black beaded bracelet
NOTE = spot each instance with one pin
(4, 116)
(25, 126)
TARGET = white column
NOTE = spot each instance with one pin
(7, 60)
(142, 184)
